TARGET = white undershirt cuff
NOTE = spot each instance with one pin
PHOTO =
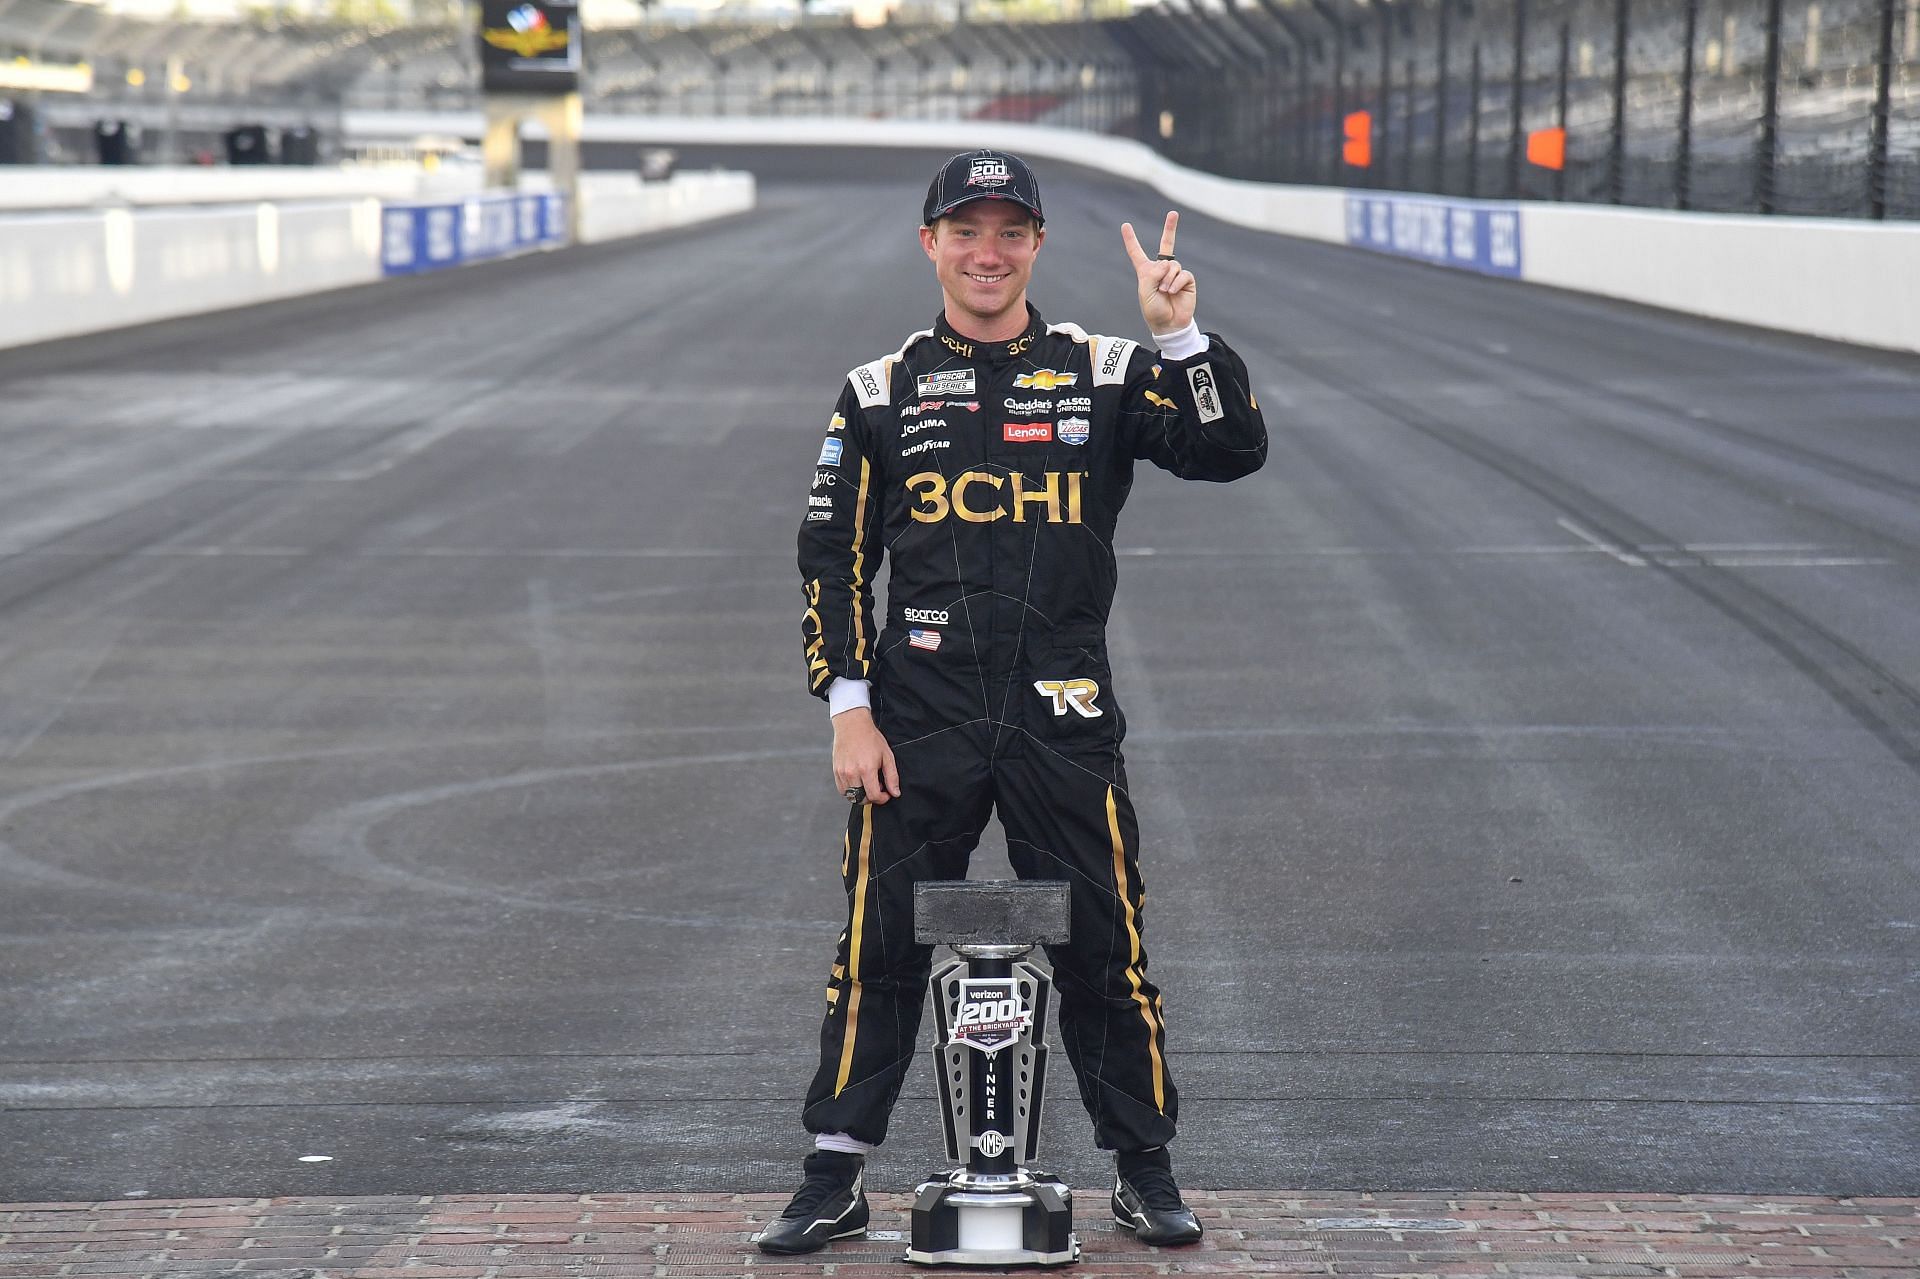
(838, 1140)
(845, 694)
(1183, 344)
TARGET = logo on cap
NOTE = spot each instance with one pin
(989, 172)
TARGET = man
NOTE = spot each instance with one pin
(989, 457)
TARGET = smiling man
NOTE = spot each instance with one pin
(989, 457)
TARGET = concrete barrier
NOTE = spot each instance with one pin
(1826, 277)
(70, 272)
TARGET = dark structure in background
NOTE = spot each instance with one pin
(117, 141)
(299, 145)
(21, 138)
(530, 46)
(249, 144)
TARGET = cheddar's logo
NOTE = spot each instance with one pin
(936, 499)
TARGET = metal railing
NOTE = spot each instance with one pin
(1770, 106)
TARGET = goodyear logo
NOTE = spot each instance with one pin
(1045, 380)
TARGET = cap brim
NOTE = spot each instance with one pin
(970, 198)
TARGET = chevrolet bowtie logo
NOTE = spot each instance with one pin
(525, 44)
(1045, 380)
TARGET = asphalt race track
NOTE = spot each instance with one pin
(405, 757)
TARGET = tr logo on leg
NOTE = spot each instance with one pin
(1077, 694)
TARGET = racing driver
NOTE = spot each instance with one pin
(989, 457)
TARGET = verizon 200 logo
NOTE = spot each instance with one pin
(990, 1015)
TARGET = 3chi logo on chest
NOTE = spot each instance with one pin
(1052, 497)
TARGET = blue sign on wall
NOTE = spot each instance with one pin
(428, 237)
(1458, 233)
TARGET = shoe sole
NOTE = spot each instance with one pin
(801, 1252)
(1134, 1228)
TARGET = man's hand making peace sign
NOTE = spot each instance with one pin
(1167, 293)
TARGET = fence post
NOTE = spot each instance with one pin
(1303, 112)
(1385, 110)
(1473, 129)
(1617, 150)
(1514, 121)
(1560, 113)
(1769, 116)
(1882, 93)
(1406, 124)
(1336, 161)
(1440, 88)
(1683, 147)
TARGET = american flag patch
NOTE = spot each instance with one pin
(929, 640)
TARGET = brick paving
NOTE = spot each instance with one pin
(1250, 1232)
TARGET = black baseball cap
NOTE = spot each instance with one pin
(982, 175)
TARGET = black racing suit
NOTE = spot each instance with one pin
(993, 474)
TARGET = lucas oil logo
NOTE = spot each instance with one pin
(1075, 430)
(990, 1014)
(1045, 380)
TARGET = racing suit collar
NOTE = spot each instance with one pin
(989, 352)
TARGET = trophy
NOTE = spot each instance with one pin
(991, 1059)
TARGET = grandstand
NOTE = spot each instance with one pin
(1246, 88)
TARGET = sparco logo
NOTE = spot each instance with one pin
(923, 446)
(913, 427)
(869, 382)
(1027, 406)
(928, 616)
(1110, 362)
(1206, 397)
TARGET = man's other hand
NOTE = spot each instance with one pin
(862, 758)
(1166, 289)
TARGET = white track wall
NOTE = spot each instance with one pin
(67, 272)
(1832, 278)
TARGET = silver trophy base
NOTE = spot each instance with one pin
(965, 1220)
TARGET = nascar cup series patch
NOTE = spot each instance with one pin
(935, 386)
(991, 1015)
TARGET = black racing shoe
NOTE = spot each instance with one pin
(829, 1205)
(1147, 1202)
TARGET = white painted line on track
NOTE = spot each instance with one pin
(1593, 539)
